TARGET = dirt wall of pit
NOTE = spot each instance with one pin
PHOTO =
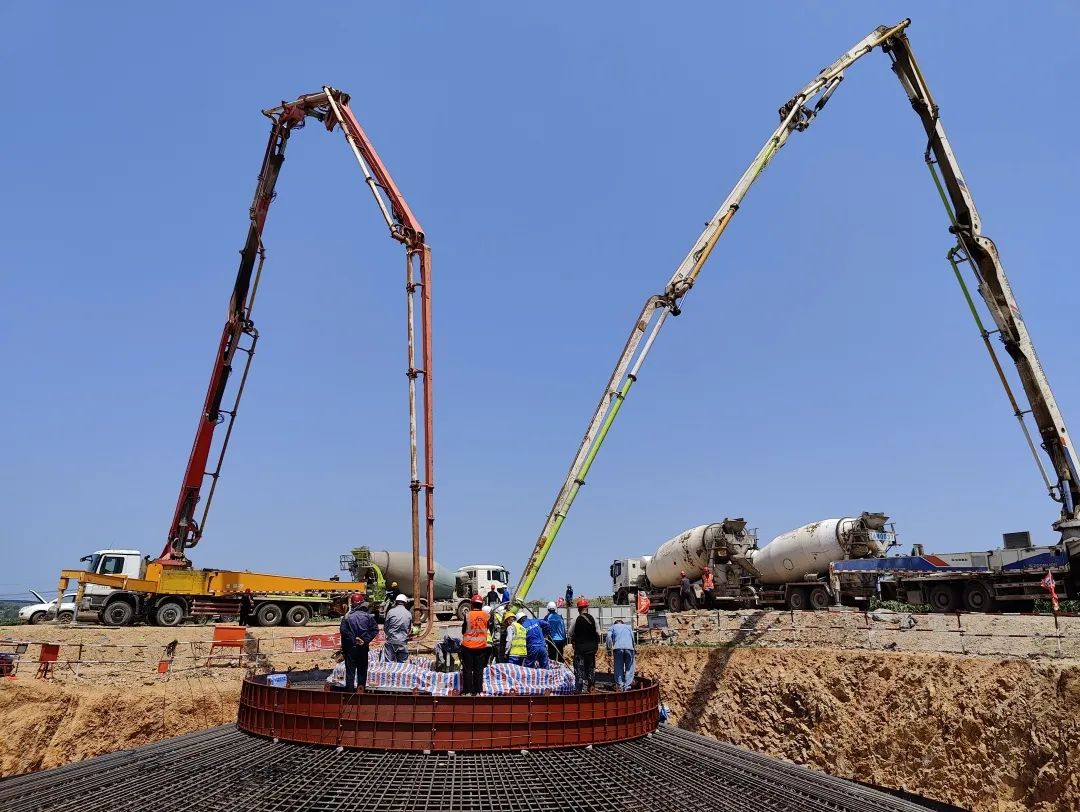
(994, 735)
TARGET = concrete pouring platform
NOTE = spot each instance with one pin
(224, 769)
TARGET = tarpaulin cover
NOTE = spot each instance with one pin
(499, 680)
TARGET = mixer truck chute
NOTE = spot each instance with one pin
(972, 250)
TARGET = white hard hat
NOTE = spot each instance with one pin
(402, 598)
(522, 615)
(551, 604)
(487, 608)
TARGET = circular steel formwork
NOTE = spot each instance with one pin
(225, 769)
(399, 721)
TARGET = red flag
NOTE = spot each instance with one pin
(560, 603)
(643, 603)
(1047, 583)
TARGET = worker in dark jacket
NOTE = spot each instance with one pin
(686, 592)
(358, 629)
(584, 636)
(493, 598)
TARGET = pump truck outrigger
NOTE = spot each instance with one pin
(972, 249)
(167, 589)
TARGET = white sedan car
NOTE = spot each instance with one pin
(39, 612)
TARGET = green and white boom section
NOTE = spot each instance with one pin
(796, 115)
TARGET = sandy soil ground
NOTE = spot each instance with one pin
(987, 732)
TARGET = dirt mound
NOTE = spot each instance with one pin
(47, 724)
(980, 733)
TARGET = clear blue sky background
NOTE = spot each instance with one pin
(562, 159)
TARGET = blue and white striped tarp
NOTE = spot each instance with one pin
(501, 679)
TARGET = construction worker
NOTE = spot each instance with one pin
(335, 681)
(358, 629)
(506, 594)
(569, 596)
(686, 592)
(584, 636)
(493, 597)
(707, 586)
(392, 592)
(499, 628)
(516, 647)
(246, 605)
(536, 653)
(558, 628)
(620, 641)
(489, 610)
(398, 626)
(474, 648)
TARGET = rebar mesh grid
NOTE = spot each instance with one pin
(224, 769)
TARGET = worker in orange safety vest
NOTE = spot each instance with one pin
(474, 648)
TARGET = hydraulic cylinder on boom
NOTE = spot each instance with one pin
(973, 248)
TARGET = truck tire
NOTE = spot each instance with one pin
(979, 598)
(462, 610)
(169, 613)
(36, 618)
(268, 614)
(66, 617)
(796, 600)
(297, 615)
(943, 598)
(674, 601)
(819, 598)
(118, 613)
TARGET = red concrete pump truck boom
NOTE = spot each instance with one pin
(140, 590)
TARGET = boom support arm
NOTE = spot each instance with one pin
(981, 254)
(331, 107)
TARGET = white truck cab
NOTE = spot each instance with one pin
(108, 562)
(482, 576)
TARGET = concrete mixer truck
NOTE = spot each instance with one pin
(790, 571)
(381, 568)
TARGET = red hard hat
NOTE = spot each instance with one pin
(356, 597)
(477, 599)
(582, 603)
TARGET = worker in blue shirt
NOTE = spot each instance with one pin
(536, 653)
(620, 641)
(557, 626)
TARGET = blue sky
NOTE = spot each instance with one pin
(562, 160)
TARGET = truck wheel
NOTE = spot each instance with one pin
(943, 598)
(819, 598)
(169, 613)
(674, 602)
(268, 614)
(978, 598)
(36, 618)
(118, 613)
(297, 615)
(462, 610)
(796, 600)
(66, 617)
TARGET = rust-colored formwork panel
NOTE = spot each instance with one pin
(393, 721)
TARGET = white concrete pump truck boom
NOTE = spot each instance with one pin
(973, 250)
